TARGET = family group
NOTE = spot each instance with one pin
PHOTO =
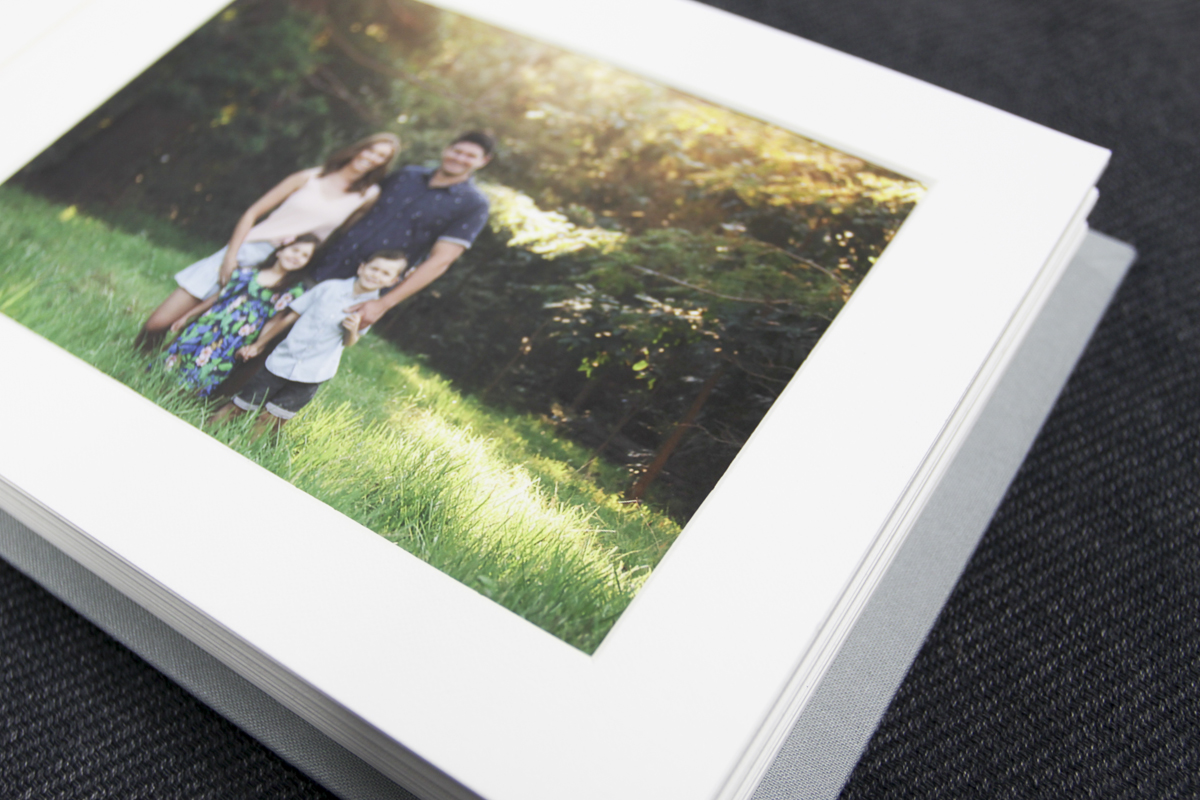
(311, 265)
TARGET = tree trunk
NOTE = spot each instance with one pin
(638, 490)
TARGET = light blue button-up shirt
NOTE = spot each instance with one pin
(312, 350)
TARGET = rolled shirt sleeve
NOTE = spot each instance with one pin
(464, 228)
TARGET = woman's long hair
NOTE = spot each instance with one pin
(290, 279)
(344, 156)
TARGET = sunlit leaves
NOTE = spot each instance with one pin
(547, 233)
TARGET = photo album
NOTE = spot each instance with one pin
(519, 400)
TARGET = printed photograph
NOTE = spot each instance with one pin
(512, 309)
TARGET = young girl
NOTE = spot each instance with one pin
(315, 200)
(204, 353)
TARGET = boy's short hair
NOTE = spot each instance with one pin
(393, 254)
(483, 139)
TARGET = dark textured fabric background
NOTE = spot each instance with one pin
(1067, 662)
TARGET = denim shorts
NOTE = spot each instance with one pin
(200, 279)
(282, 397)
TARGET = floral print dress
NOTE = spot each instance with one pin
(204, 353)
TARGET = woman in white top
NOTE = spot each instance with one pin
(315, 201)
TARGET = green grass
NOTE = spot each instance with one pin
(494, 499)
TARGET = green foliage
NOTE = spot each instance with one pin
(270, 86)
(240, 78)
(546, 233)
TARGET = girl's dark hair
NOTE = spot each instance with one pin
(290, 279)
(344, 156)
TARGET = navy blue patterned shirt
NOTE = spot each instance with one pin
(410, 216)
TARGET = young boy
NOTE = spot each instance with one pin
(310, 354)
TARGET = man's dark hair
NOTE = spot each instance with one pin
(484, 140)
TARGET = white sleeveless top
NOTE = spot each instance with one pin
(316, 207)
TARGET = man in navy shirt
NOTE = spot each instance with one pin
(431, 215)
